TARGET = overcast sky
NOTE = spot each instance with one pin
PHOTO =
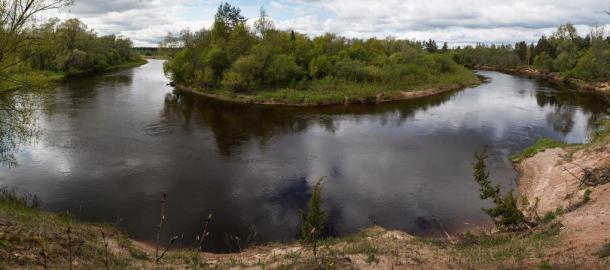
(454, 21)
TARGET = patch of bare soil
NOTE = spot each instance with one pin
(554, 178)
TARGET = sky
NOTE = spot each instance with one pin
(456, 22)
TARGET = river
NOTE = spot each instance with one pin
(112, 144)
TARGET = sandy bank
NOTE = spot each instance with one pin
(552, 178)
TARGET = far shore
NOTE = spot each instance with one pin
(381, 97)
(554, 78)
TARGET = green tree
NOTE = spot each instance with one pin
(431, 46)
(229, 15)
(216, 59)
(521, 51)
(243, 73)
(544, 62)
(505, 212)
(314, 219)
(445, 47)
(544, 46)
(320, 67)
(282, 70)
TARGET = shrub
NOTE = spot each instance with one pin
(243, 74)
(544, 62)
(282, 70)
(320, 67)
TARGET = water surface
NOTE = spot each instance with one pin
(111, 145)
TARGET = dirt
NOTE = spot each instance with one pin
(553, 178)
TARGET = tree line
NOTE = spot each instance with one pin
(565, 52)
(231, 55)
(67, 47)
(72, 48)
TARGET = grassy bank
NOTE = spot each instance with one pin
(539, 146)
(37, 79)
(332, 91)
(43, 78)
(599, 136)
(31, 238)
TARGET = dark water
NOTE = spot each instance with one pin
(112, 144)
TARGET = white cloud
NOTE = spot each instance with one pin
(455, 21)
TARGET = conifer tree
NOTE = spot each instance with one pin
(314, 219)
(505, 212)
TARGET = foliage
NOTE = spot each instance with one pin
(314, 219)
(505, 212)
(67, 47)
(264, 59)
(565, 52)
(501, 56)
(16, 18)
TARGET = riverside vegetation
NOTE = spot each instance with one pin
(564, 56)
(267, 65)
(31, 238)
(32, 55)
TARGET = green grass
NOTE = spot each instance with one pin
(334, 91)
(27, 230)
(33, 79)
(506, 249)
(539, 146)
(364, 247)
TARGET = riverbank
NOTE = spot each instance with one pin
(554, 78)
(332, 93)
(571, 184)
(30, 238)
(43, 79)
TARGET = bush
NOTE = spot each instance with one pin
(243, 74)
(320, 67)
(282, 70)
(543, 62)
(353, 70)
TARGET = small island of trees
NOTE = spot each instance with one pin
(267, 65)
